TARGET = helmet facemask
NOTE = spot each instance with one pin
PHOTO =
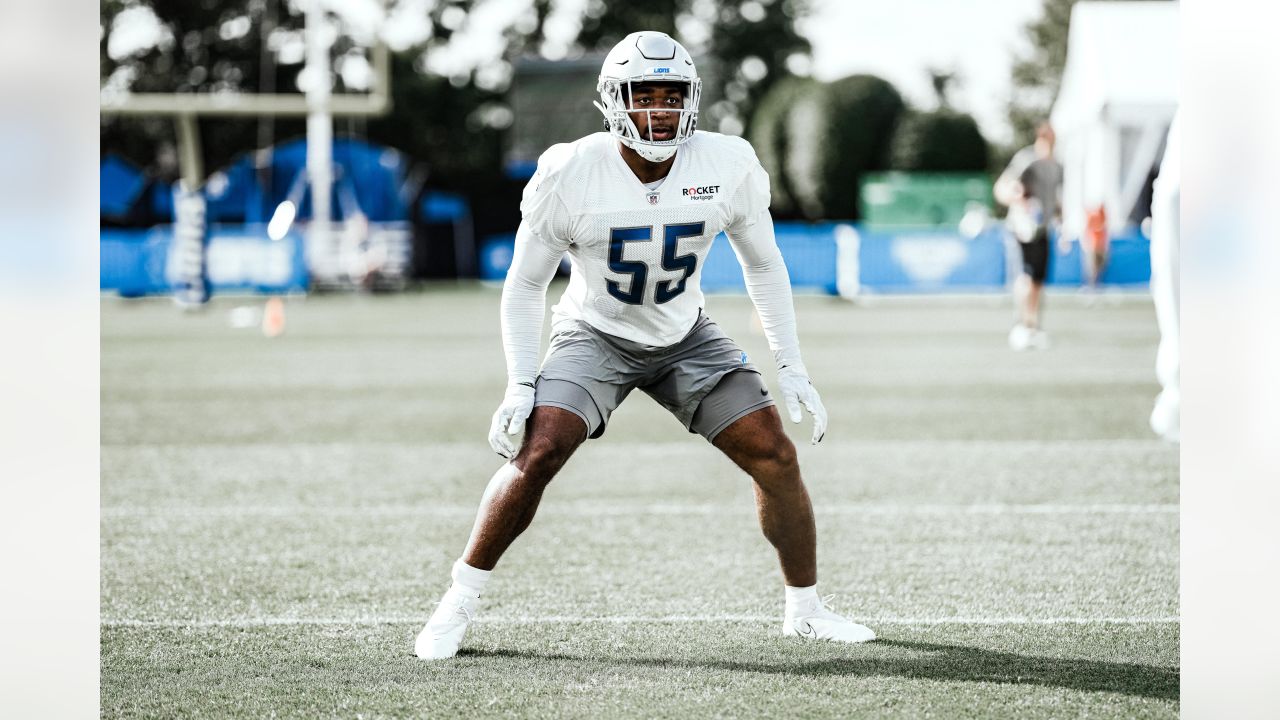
(615, 96)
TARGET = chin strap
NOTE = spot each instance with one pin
(654, 155)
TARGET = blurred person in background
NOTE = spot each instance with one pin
(1094, 243)
(1165, 203)
(1031, 187)
(636, 209)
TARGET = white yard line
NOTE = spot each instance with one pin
(592, 509)
(623, 620)
(480, 450)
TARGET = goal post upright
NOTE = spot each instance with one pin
(319, 123)
(317, 103)
(190, 152)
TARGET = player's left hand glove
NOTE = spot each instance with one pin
(509, 419)
(797, 391)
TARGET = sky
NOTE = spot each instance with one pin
(901, 40)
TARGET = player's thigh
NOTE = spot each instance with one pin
(757, 443)
(736, 395)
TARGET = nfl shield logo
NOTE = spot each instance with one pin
(653, 198)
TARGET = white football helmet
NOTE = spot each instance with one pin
(641, 57)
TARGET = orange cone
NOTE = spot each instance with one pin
(273, 318)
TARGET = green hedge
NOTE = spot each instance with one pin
(817, 139)
(938, 141)
(769, 137)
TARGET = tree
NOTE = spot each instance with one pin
(607, 21)
(170, 46)
(941, 81)
(1037, 76)
(835, 133)
(256, 46)
(455, 120)
(768, 135)
(940, 140)
(755, 45)
(456, 139)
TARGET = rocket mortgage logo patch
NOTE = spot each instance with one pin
(702, 192)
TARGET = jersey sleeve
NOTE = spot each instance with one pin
(524, 297)
(541, 240)
(542, 209)
(750, 231)
(751, 198)
(768, 286)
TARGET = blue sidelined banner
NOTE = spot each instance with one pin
(219, 239)
(240, 258)
(1128, 263)
(821, 257)
(809, 251)
(930, 259)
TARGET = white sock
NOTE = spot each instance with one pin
(469, 580)
(797, 596)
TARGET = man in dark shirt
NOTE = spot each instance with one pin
(1031, 187)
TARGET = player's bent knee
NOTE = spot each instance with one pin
(554, 435)
(767, 455)
(540, 459)
(772, 447)
(780, 460)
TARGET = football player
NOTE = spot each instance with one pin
(636, 208)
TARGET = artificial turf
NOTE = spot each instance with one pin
(279, 516)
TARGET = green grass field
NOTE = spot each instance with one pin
(279, 517)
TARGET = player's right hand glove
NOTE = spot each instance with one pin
(509, 419)
(797, 391)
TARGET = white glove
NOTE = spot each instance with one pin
(509, 419)
(797, 391)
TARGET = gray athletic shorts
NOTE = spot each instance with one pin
(704, 379)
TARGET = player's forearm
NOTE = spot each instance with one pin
(524, 298)
(769, 288)
(770, 291)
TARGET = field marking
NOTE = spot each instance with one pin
(481, 450)
(624, 620)
(622, 509)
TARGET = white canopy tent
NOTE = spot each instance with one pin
(1119, 92)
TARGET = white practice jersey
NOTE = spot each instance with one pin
(637, 254)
